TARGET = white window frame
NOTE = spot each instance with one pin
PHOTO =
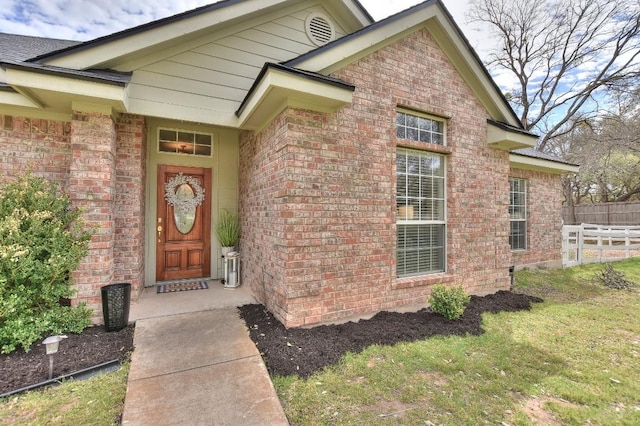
(518, 213)
(194, 145)
(408, 216)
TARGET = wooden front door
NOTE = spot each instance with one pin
(183, 225)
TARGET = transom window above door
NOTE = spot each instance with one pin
(184, 142)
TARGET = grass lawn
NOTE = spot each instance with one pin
(573, 359)
(97, 401)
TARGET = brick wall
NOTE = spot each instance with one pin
(544, 219)
(328, 184)
(101, 164)
(263, 209)
(130, 201)
(42, 146)
(92, 188)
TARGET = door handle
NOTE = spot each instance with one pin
(159, 232)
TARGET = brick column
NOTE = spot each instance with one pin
(130, 201)
(92, 187)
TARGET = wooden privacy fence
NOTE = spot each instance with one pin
(624, 214)
(589, 243)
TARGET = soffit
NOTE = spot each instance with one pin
(504, 137)
(55, 93)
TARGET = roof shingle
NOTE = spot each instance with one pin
(19, 48)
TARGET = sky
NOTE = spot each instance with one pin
(84, 20)
(88, 19)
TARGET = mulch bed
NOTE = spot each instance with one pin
(94, 346)
(302, 352)
(295, 351)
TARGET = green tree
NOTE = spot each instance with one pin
(42, 241)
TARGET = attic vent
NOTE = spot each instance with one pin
(319, 29)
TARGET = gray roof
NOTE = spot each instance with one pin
(105, 76)
(19, 48)
(16, 50)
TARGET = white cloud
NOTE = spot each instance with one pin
(84, 20)
(87, 19)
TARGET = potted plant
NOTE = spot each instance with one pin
(227, 231)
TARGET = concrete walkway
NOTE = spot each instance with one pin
(197, 368)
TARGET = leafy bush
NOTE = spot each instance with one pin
(449, 302)
(42, 240)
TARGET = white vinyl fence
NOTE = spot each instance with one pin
(588, 243)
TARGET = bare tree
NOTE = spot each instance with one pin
(563, 54)
(608, 149)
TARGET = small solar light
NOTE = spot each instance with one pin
(51, 343)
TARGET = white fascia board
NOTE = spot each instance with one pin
(182, 113)
(356, 19)
(89, 56)
(278, 90)
(66, 85)
(356, 47)
(357, 12)
(434, 19)
(508, 140)
(540, 165)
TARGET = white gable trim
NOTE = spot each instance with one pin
(432, 16)
(167, 31)
(503, 138)
(31, 86)
(540, 165)
(278, 89)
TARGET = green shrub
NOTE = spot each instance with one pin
(228, 229)
(42, 240)
(449, 302)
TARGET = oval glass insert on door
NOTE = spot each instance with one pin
(185, 217)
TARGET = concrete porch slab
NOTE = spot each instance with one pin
(194, 363)
(237, 392)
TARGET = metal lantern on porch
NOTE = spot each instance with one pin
(232, 270)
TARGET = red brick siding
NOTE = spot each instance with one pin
(42, 146)
(544, 219)
(263, 210)
(130, 201)
(92, 187)
(101, 164)
(333, 230)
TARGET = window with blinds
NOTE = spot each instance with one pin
(518, 213)
(421, 222)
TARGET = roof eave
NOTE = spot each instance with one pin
(436, 18)
(524, 162)
(278, 87)
(116, 78)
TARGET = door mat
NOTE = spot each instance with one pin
(175, 287)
